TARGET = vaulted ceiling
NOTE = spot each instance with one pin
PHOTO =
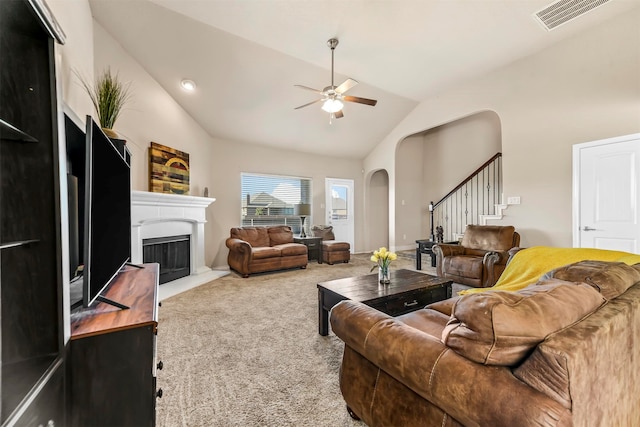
(246, 56)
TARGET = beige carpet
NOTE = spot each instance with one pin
(246, 352)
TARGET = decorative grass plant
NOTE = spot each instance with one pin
(109, 95)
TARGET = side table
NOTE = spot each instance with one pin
(314, 247)
(425, 247)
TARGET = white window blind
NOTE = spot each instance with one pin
(270, 199)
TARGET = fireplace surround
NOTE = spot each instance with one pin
(157, 215)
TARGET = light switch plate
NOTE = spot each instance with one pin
(515, 200)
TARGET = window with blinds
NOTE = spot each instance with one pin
(271, 199)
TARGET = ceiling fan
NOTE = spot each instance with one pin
(333, 96)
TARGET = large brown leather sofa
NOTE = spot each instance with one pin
(560, 352)
(261, 249)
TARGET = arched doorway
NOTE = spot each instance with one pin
(431, 163)
(378, 210)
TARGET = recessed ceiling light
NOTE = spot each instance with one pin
(189, 85)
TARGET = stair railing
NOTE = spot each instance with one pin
(475, 196)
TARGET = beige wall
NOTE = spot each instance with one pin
(377, 211)
(152, 115)
(230, 159)
(155, 116)
(431, 163)
(408, 198)
(454, 150)
(214, 163)
(582, 89)
(76, 54)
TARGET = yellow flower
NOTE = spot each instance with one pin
(382, 257)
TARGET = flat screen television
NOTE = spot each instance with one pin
(107, 214)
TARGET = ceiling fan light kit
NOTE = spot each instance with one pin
(333, 96)
(332, 105)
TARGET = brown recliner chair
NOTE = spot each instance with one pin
(480, 258)
(332, 251)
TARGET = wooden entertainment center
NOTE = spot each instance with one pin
(112, 356)
(104, 373)
(32, 359)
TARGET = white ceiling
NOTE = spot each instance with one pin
(246, 56)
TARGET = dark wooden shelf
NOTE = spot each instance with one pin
(12, 133)
(32, 366)
(20, 377)
(16, 244)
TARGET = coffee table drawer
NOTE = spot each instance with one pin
(411, 301)
(409, 291)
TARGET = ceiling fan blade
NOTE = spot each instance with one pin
(338, 114)
(309, 88)
(307, 104)
(346, 85)
(359, 100)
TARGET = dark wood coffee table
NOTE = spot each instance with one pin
(408, 291)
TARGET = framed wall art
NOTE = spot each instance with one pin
(168, 170)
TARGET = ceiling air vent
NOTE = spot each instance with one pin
(563, 11)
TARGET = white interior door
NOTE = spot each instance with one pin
(339, 211)
(606, 177)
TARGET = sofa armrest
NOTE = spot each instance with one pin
(446, 249)
(489, 261)
(473, 394)
(240, 255)
(512, 253)
(442, 250)
(237, 245)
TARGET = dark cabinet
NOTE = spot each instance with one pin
(46, 409)
(31, 333)
(113, 354)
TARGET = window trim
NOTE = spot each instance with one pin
(283, 213)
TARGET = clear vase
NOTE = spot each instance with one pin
(384, 275)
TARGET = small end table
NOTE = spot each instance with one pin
(314, 247)
(426, 247)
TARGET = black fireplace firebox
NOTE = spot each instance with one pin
(172, 253)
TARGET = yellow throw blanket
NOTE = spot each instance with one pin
(528, 265)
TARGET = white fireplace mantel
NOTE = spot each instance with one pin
(165, 215)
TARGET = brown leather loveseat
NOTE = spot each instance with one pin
(560, 352)
(260, 249)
